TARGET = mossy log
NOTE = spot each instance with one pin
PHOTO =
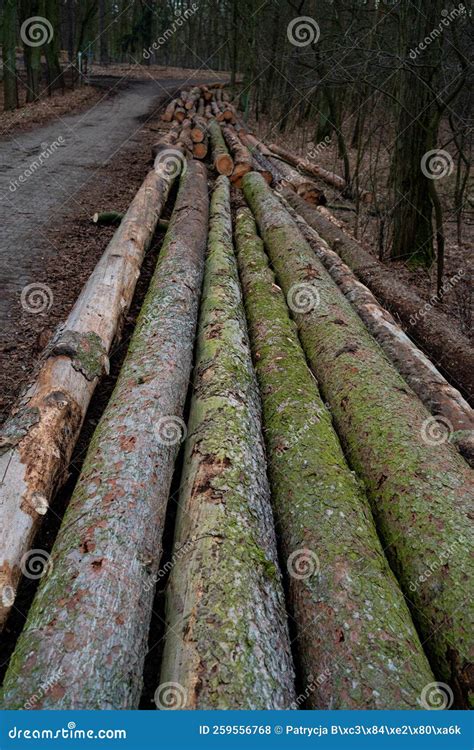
(91, 615)
(353, 627)
(227, 645)
(431, 330)
(221, 158)
(106, 218)
(36, 443)
(419, 486)
(419, 372)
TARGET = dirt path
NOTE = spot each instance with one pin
(47, 238)
(37, 190)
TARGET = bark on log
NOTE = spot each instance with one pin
(167, 141)
(313, 169)
(419, 372)
(227, 646)
(91, 615)
(36, 443)
(221, 158)
(107, 217)
(168, 114)
(283, 174)
(357, 645)
(240, 154)
(419, 486)
(193, 98)
(199, 129)
(431, 330)
(185, 135)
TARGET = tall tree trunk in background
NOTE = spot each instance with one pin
(416, 134)
(103, 33)
(32, 52)
(9, 55)
(53, 48)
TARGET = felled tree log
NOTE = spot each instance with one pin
(185, 135)
(304, 165)
(221, 158)
(216, 111)
(167, 141)
(419, 372)
(107, 217)
(200, 150)
(419, 486)
(339, 581)
(168, 114)
(179, 111)
(227, 644)
(37, 441)
(284, 175)
(240, 154)
(91, 615)
(193, 98)
(199, 129)
(431, 330)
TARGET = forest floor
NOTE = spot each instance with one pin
(458, 301)
(47, 234)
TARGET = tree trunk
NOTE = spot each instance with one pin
(103, 33)
(412, 204)
(36, 443)
(339, 580)
(227, 645)
(419, 486)
(97, 599)
(431, 330)
(10, 89)
(52, 49)
(221, 158)
(419, 372)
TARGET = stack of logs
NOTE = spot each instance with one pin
(204, 122)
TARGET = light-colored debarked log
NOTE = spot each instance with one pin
(90, 618)
(36, 443)
(356, 642)
(420, 488)
(227, 644)
(431, 387)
